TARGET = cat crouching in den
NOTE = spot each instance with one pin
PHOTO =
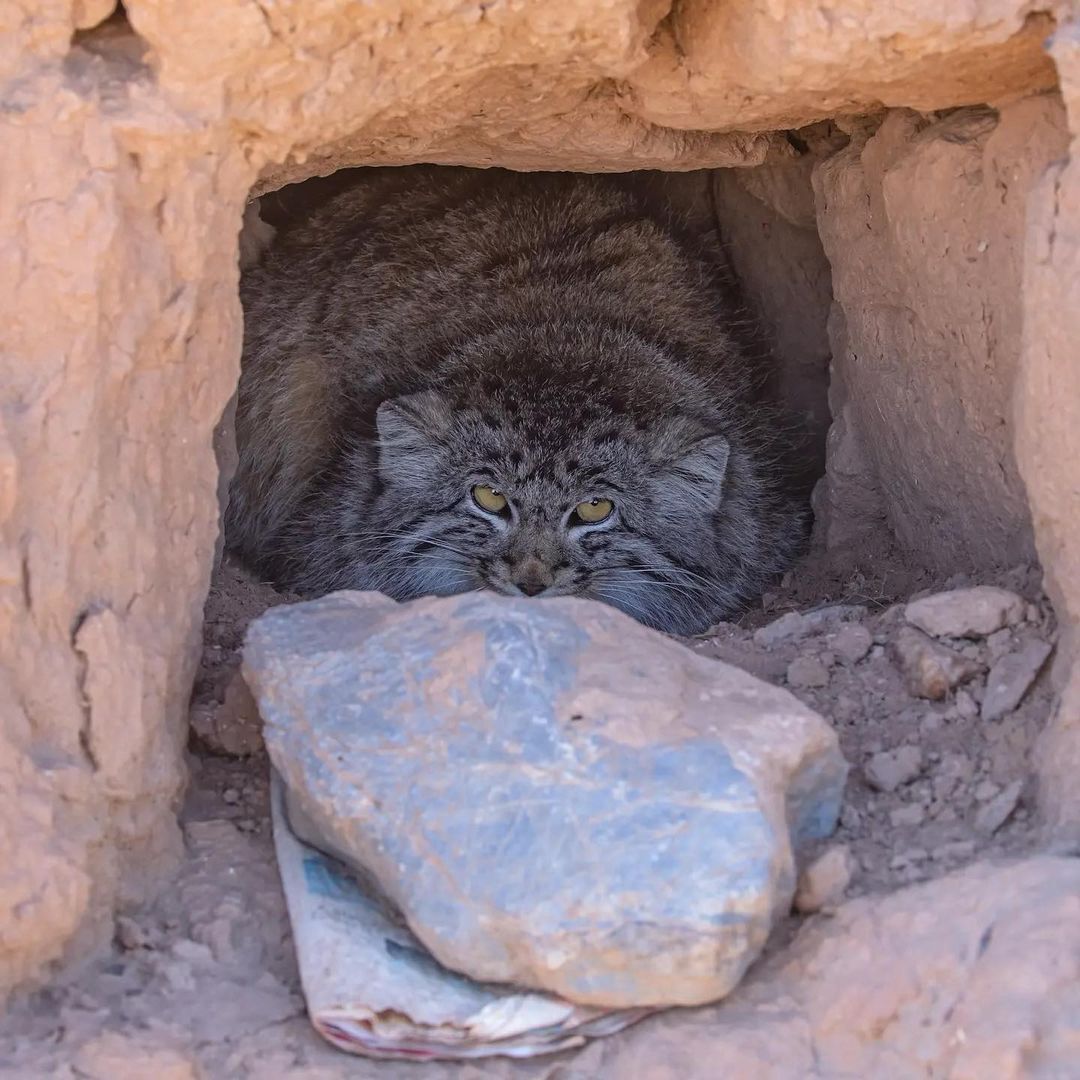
(531, 383)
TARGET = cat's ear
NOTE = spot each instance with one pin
(409, 432)
(693, 476)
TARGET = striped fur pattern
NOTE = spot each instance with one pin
(554, 337)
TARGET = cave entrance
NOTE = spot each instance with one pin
(827, 629)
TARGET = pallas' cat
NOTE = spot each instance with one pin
(470, 379)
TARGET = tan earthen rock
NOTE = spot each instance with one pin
(130, 150)
(972, 976)
(1048, 434)
(923, 223)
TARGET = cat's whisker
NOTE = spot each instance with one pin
(679, 571)
(644, 578)
(619, 593)
(432, 541)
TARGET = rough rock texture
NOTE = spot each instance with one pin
(129, 151)
(1010, 678)
(1048, 435)
(553, 795)
(120, 334)
(960, 613)
(931, 669)
(973, 976)
(822, 884)
(207, 973)
(923, 223)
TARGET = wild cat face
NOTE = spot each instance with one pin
(559, 497)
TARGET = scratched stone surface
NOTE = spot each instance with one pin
(550, 793)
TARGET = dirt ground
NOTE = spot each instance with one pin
(204, 983)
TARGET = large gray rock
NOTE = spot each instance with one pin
(552, 794)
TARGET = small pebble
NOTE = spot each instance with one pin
(788, 627)
(130, 935)
(959, 613)
(194, 952)
(985, 790)
(823, 883)
(906, 858)
(850, 818)
(805, 672)
(891, 769)
(965, 706)
(851, 642)
(1011, 677)
(231, 796)
(999, 643)
(931, 722)
(911, 815)
(954, 849)
(955, 770)
(833, 613)
(995, 813)
(930, 669)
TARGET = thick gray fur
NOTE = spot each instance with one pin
(556, 337)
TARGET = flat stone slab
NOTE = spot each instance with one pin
(959, 613)
(550, 793)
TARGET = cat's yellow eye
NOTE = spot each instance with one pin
(487, 498)
(594, 511)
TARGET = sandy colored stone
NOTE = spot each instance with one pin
(999, 809)
(890, 769)
(120, 1056)
(930, 668)
(922, 220)
(959, 613)
(822, 884)
(790, 626)
(807, 671)
(852, 643)
(233, 726)
(972, 976)
(88, 13)
(1010, 678)
(1048, 435)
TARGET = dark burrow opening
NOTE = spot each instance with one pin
(825, 628)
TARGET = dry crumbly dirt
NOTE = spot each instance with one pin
(203, 983)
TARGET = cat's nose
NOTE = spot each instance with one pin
(531, 577)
